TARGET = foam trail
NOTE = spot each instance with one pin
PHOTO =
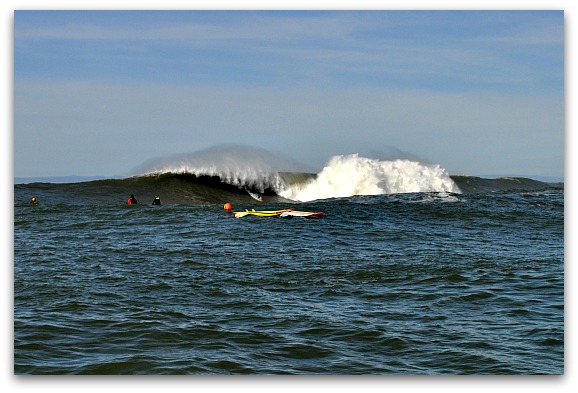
(351, 175)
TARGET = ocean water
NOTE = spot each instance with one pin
(411, 283)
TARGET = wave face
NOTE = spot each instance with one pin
(474, 184)
(350, 175)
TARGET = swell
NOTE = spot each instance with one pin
(474, 184)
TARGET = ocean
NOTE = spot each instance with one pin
(409, 272)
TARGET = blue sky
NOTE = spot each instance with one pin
(97, 93)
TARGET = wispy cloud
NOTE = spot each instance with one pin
(371, 47)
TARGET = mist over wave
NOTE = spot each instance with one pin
(351, 175)
(237, 165)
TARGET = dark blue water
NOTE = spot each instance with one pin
(392, 284)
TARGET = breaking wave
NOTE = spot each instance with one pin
(350, 175)
(344, 176)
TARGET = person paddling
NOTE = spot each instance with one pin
(132, 200)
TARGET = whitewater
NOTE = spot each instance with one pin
(351, 175)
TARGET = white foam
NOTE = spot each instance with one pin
(351, 175)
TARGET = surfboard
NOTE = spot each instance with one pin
(296, 213)
(260, 213)
(253, 195)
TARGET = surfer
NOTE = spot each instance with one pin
(157, 200)
(254, 195)
(132, 200)
(33, 201)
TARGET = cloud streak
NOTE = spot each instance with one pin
(371, 47)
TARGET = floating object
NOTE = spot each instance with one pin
(227, 206)
(260, 213)
(296, 213)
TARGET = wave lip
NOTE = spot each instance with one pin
(350, 175)
(234, 165)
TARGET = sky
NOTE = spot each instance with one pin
(97, 93)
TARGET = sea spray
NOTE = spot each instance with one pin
(351, 175)
(237, 165)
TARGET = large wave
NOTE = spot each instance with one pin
(351, 175)
(343, 176)
(225, 173)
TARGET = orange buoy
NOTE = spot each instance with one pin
(227, 206)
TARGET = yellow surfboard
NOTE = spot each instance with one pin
(260, 213)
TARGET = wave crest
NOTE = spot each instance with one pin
(235, 165)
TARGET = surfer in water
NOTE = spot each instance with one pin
(132, 200)
(34, 201)
(157, 200)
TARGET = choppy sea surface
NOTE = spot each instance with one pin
(400, 283)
